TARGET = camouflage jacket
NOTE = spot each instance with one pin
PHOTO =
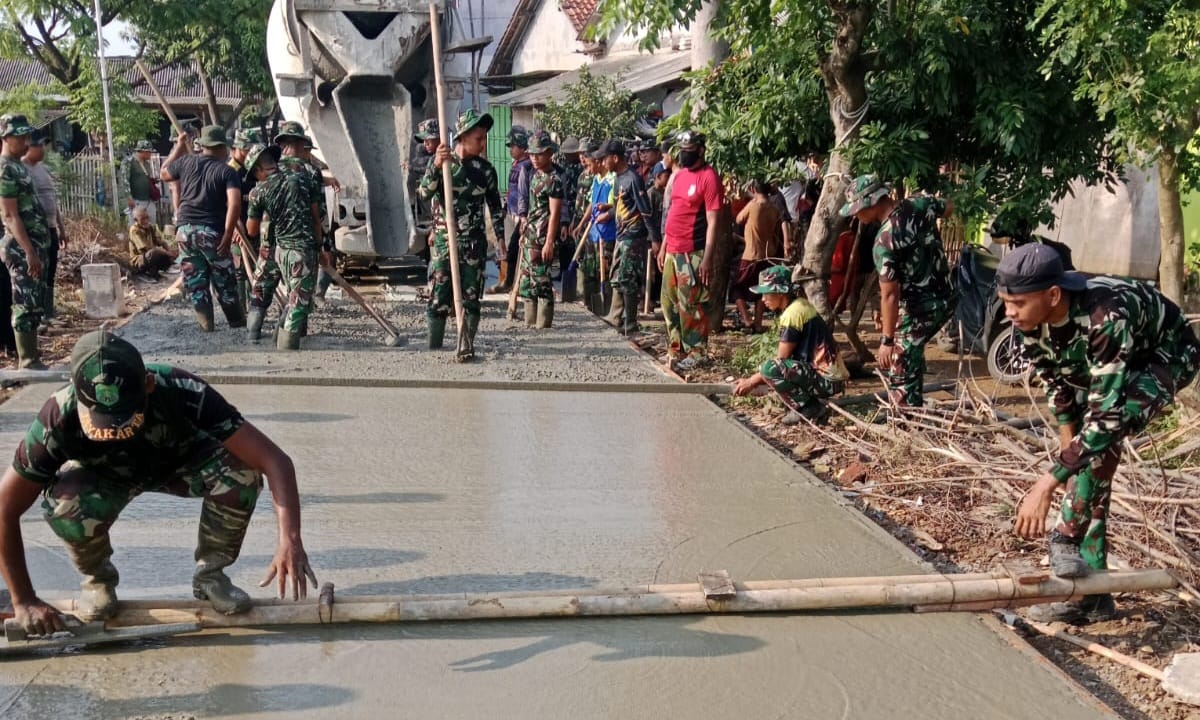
(286, 199)
(571, 172)
(475, 192)
(908, 250)
(543, 187)
(16, 183)
(583, 195)
(1115, 328)
(183, 416)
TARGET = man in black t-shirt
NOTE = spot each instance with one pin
(210, 206)
(122, 428)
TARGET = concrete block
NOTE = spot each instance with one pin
(103, 296)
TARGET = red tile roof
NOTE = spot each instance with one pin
(579, 11)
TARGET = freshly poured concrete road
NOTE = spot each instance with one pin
(410, 491)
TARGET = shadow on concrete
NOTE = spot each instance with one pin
(472, 583)
(379, 498)
(298, 417)
(225, 700)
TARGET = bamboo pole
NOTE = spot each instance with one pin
(162, 101)
(689, 598)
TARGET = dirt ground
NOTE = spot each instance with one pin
(957, 534)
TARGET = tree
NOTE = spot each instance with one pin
(1140, 64)
(904, 89)
(594, 107)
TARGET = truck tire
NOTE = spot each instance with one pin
(1004, 360)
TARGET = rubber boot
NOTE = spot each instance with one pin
(437, 331)
(244, 291)
(616, 311)
(98, 590)
(531, 309)
(222, 530)
(1088, 609)
(466, 348)
(234, 314)
(254, 323)
(501, 282)
(595, 303)
(204, 316)
(545, 313)
(629, 321)
(1065, 560)
(286, 340)
(27, 351)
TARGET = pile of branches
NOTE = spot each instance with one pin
(964, 466)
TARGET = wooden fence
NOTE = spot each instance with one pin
(85, 187)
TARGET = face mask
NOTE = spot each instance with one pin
(688, 158)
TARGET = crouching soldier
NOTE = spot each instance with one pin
(1111, 353)
(121, 428)
(807, 368)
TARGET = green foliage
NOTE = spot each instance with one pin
(130, 121)
(29, 100)
(594, 107)
(761, 348)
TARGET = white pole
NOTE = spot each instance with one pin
(112, 160)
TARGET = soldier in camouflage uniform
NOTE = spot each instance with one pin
(571, 170)
(429, 135)
(121, 428)
(1111, 353)
(475, 193)
(291, 202)
(914, 279)
(542, 226)
(243, 140)
(631, 211)
(26, 242)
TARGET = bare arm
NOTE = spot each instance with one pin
(16, 496)
(711, 237)
(552, 233)
(182, 146)
(233, 215)
(889, 306)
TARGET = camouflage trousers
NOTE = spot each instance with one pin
(1083, 515)
(684, 300)
(535, 280)
(472, 272)
(241, 270)
(629, 266)
(906, 376)
(588, 278)
(299, 270)
(84, 500)
(28, 293)
(203, 266)
(798, 383)
(266, 278)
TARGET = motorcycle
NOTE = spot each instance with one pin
(979, 321)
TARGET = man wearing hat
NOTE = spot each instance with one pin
(43, 185)
(428, 134)
(915, 296)
(141, 185)
(210, 208)
(1111, 354)
(630, 209)
(602, 235)
(121, 428)
(475, 193)
(571, 170)
(242, 141)
(292, 203)
(516, 206)
(807, 367)
(26, 239)
(543, 223)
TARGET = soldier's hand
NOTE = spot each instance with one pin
(886, 356)
(35, 266)
(226, 243)
(441, 155)
(38, 618)
(1031, 515)
(706, 271)
(548, 252)
(290, 566)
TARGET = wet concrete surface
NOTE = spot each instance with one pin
(505, 490)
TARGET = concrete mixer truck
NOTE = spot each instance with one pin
(359, 75)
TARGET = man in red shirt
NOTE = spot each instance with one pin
(689, 232)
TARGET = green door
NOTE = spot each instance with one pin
(497, 151)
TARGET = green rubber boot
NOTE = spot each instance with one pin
(254, 323)
(466, 349)
(616, 311)
(27, 351)
(545, 312)
(285, 340)
(98, 589)
(222, 530)
(437, 331)
(531, 311)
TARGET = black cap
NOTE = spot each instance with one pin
(1035, 267)
(109, 378)
(610, 147)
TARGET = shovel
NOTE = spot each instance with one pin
(1181, 679)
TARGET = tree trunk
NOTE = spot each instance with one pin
(705, 48)
(844, 71)
(1170, 223)
(718, 286)
(210, 98)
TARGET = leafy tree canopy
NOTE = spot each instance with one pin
(594, 107)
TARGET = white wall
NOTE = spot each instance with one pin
(550, 44)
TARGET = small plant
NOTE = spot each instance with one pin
(749, 358)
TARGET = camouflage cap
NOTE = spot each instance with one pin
(775, 280)
(109, 379)
(244, 138)
(256, 151)
(471, 119)
(690, 139)
(569, 146)
(14, 125)
(541, 142)
(518, 136)
(290, 130)
(143, 146)
(865, 191)
(211, 136)
(428, 129)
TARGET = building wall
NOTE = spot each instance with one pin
(550, 44)
(491, 18)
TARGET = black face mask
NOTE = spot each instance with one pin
(688, 158)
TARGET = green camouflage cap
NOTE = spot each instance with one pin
(246, 137)
(518, 136)
(865, 191)
(776, 279)
(290, 130)
(211, 136)
(14, 125)
(541, 142)
(570, 146)
(143, 146)
(428, 130)
(256, 151)
(471, 119)
(109, 378)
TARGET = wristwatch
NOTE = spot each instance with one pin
(887, 341)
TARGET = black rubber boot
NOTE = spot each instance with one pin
(222, 530)
(254, 323)
(466, 347)
(629, 322)
(98, 590)
(1089, 609)
(1065, 560)
(437, 331)
(234, 314)
(813, 411)
(616, 311)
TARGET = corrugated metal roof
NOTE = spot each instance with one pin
(638, 73)
(179, 83)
